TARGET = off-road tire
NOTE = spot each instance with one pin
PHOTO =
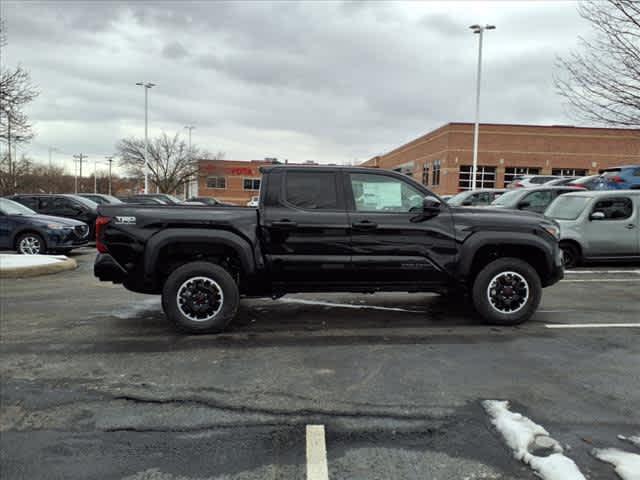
(216, 278)
(481, 292)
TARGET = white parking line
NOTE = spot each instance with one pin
(601, 280)
(316, 453)
(592, 325)
(600, 272)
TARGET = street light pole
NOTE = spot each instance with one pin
(51, 150)
(110, 160)
(190, 128)
(479, 30)
(147, 86)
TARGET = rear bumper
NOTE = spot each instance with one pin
(108, 270)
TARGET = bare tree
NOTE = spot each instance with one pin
(601, 81)
(16, 91)
(171, 163)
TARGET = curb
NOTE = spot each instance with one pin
(24, 272)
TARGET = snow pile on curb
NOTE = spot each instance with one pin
(522, 435)
(626, 464)
(8, 261)
(635, 439)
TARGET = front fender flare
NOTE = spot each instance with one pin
(476, 241)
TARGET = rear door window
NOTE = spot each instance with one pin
(614, 208)
(31, 202)
(311, 190)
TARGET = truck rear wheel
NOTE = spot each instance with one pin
(200, 297)
(507, 291)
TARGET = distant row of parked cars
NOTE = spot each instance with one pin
(599, 215)
(32, 224)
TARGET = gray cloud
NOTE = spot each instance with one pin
(175, 51)
(323, 80)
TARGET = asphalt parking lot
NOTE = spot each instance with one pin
(95, 383)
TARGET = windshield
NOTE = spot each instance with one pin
(170, 198)
(508, 198)
(566, 207)
(86, 202)
(9, 207)
(457, 200)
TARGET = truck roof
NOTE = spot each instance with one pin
(332, 168)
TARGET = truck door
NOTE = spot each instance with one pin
(304, 225)
(392, 242)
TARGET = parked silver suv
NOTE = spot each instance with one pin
(598, 225)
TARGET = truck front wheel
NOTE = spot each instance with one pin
(200, 297)
(507, 291)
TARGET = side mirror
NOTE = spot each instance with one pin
(523, 205)
(597, 216)
(431, 205)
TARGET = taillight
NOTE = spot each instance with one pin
(579, 186)
(101, 222)
(518, 185)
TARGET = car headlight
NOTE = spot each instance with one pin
(56, 226)
(553, 231)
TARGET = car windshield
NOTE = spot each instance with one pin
(508, 197)
(457, 200)
(566, 207)
(170, 198)
(86, 202)
(9, 207)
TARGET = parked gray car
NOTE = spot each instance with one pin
(530, 199)
(598, 225)
(476, 198)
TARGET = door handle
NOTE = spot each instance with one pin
(364, 225)
(284, 223)
(630, 226)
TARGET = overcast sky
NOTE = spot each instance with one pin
(325, 81)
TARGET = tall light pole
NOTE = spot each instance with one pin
(51, 150)
(110, 160)
(147, 86)
(479, 30)
(190, 128)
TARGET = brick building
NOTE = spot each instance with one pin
(442, 159)
(234, 181)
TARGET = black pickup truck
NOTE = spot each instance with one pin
(327, 229)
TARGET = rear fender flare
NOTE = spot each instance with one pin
(170, 236)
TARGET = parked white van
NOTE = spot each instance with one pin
(598, 225)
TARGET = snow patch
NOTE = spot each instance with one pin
(134, 309)
(9, 260)
(635, 439)
(626, 464)
(523, 435)
(347, 305)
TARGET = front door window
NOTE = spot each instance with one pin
(379, 193)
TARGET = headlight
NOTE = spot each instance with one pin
(553, 230)
(56, 226)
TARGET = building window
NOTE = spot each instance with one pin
(425, 174)
(216, 182)
(485, 178)
(436, 173)
(251, 184)
(510, 173)
(568, 172)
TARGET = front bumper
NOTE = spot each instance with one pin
(557, 269)
(108, 270)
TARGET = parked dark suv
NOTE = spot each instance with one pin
(31, 233)
(62, 205)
